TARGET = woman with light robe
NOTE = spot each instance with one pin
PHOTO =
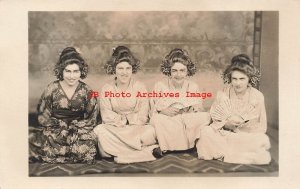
(124, 134)
(177, 120)
(237, 134)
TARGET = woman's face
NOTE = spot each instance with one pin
(123, 72)
(71, 74)
(178, 73)
(239, 81)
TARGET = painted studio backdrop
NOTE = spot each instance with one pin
(211, 39)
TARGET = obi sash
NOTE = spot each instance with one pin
(68, 116)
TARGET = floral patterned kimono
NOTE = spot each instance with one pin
(67, 135)
(124, 133)
(248, 144)
(181, 131)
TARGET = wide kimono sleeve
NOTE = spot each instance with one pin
(44, 108)
(91, 113)
(195, 102)
(258, 122)
(263, 116)
(140, 115)
(158, 104)
(108, 115)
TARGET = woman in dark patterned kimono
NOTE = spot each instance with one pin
(67, 113)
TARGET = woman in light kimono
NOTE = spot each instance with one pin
(178, 119)
(237, 134)
(124, 133)
(67, 115)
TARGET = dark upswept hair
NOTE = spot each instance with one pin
(177, 55)
(70, 56)
(121, 54)
(242, 63)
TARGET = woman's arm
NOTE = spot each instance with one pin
(159, 104)
(197, 103)
(257, 121)
(44, 108)
(107, 114)
(141, 114)
(92, 113)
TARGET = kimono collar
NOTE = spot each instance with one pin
(130, 85)
(229, 90)
(183, 88)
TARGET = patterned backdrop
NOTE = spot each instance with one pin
(211, 38)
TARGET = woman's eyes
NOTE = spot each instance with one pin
(178, 70)
(69, 71)
(129, 68)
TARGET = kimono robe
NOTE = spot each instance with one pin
(248, 144)
(124, 133)
(181, 131)
(67, 126)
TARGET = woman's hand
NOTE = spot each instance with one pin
(170, 111)
(236, 119)
(230, 126)
(78, 123)
(195, 108)
(233, 122)
(52, 122)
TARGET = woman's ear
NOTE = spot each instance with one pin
(249, 84)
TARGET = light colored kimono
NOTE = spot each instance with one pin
(124, 133)
(178, 132)
(248, 144)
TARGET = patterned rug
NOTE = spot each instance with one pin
(173, 163)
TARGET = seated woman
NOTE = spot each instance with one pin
(178, 119)
(237, 134)
(67, 114)
(124, 134)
